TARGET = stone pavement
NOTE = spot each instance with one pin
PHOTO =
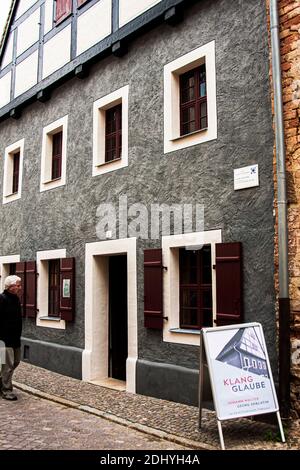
(164, 419)
(33, 423)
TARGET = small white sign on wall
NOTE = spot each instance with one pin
(246, 177)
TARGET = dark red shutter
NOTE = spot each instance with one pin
(67, 289)
(20, 271)
(30, 295)
(229, 283)
(63, 9)
(153, 298)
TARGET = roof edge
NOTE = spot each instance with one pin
(11, 14)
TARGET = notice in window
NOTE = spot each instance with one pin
(66, 288)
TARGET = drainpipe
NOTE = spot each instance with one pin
(284, 301)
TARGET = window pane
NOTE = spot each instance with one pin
(57, 143)
(203, 123)
(187, 80)
(187, 94)
(202, 81)
(207, 300)
(188, 114)
(54, 288)
(188, 267)
(207, 318)
(206, 265)
(189, 298)
(203, 109)
(190, 318)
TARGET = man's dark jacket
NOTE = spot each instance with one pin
(10, 320)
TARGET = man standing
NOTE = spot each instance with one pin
(10, 333)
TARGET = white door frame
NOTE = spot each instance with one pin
(95, 354)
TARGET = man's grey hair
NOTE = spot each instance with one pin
(11, 281)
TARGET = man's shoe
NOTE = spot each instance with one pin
(9, 396)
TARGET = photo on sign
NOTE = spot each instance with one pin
(66, 288)
(245, 351)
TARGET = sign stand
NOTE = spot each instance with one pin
(224, 410)
(201, 378)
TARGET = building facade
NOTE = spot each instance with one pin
(113, 111)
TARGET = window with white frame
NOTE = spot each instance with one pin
(7, 267)
(110, 132)
(190, 109)
(13, 169)
(54, 155)
(189, 285)
(48, 286)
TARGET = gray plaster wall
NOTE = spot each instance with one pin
(66, 217)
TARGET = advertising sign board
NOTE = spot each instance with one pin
(240, 372)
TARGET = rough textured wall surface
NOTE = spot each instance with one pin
(66, 217)
(289, 19)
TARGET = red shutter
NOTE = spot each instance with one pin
(30, 295)
(63, 9)
(153, 299)
(20, 271)
(67, 289)
(229, 283)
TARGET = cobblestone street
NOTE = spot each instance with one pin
(32, 423)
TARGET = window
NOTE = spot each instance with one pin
(13, 167)
(254, 364)
(54, 288)
(54, 155)
(7, 267)
(173, 279)
(110, 132)
(193, 101)
(190, 110)
(16, 169)
(62, 10)
(12, 269)
(246, 361)
(113, 133)
(195, 288)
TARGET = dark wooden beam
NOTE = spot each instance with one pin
(119, 48)
(43, 96)
(82, 71)
(174, 15)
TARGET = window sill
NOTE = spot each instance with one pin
(107, 163)
(11, 197)
(184, 331)
(51, 181)
(50, 318)
(188, 135)
(62, 19)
